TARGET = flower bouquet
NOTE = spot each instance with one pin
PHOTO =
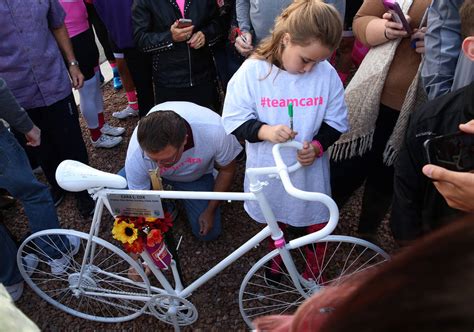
(139, 233)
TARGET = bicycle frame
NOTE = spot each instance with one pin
(256, 194)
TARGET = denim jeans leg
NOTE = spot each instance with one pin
(194, 208)
(9, 273)
(17, 178)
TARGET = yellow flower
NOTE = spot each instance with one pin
(124, 232)
(150, 219)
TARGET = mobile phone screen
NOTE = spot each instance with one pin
(454, 151)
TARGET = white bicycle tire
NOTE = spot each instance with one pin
(28, 245)
(247, 296)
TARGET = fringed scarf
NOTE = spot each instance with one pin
(362, 97)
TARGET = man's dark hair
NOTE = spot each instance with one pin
(467, 18)
(160, 129)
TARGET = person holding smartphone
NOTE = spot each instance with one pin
(428, 196)
(373, 25)
(178, 34)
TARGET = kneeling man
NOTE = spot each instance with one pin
(185, 142)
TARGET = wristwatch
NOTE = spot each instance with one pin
(73, 63)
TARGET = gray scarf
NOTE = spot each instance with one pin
(362, 97)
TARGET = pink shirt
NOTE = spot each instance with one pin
(181, 6)
(76, 16)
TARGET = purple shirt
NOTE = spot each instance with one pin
(30, 60)
(117, 17)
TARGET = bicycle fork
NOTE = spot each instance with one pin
(256, 187)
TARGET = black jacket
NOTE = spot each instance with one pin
(417, 205)
(177, 65)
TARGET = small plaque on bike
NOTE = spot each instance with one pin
(148, 205)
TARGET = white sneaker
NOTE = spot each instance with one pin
(15, 291)
(106, 141)
(111, 131)
(125, 113)
(60, 265)
(30, 262)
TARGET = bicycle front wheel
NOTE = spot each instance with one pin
(267, 289)
(103, 293)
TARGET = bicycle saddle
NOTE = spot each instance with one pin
(76, 176)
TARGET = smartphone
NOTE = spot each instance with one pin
(453, 151)
(397, 14)
(184, 23)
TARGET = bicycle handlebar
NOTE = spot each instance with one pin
(283, 172)
(278, 159)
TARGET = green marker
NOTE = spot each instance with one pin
(290, 114)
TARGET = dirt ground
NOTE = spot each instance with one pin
(217, 301)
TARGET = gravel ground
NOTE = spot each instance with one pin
(217, 301)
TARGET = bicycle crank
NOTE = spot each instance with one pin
(173, 309)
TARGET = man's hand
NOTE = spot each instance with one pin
(206, 221)
(197, 40)
(244, 48)
(33, 137)
(456, 187)
(308, 154)
(276, 134)
(76, 77)
(180, 34)
(394, 30)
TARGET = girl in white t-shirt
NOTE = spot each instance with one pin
(289, 67)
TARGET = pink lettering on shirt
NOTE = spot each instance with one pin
(188, 161)
(297, 102)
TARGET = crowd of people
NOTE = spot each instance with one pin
(212, 80)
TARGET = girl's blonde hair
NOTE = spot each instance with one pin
(305, 21)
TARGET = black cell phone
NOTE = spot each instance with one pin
(184, 23)
(453, 151)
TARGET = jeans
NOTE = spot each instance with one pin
(194, 207)
(18, 179)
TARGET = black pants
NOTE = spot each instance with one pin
(100, 31)
(348, 175)
(204, 95)
(86, 53)
(140, 67)
(61, 136)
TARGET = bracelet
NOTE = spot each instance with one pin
(316, 143)
(385, 34)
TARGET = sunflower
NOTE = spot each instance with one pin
(124, 232)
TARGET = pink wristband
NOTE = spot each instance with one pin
(317, 144)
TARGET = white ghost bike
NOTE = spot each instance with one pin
(95, 284)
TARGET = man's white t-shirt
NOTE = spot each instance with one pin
(317, 96)
(211, 145)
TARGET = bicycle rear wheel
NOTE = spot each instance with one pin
(267, 289)
(115, 297)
